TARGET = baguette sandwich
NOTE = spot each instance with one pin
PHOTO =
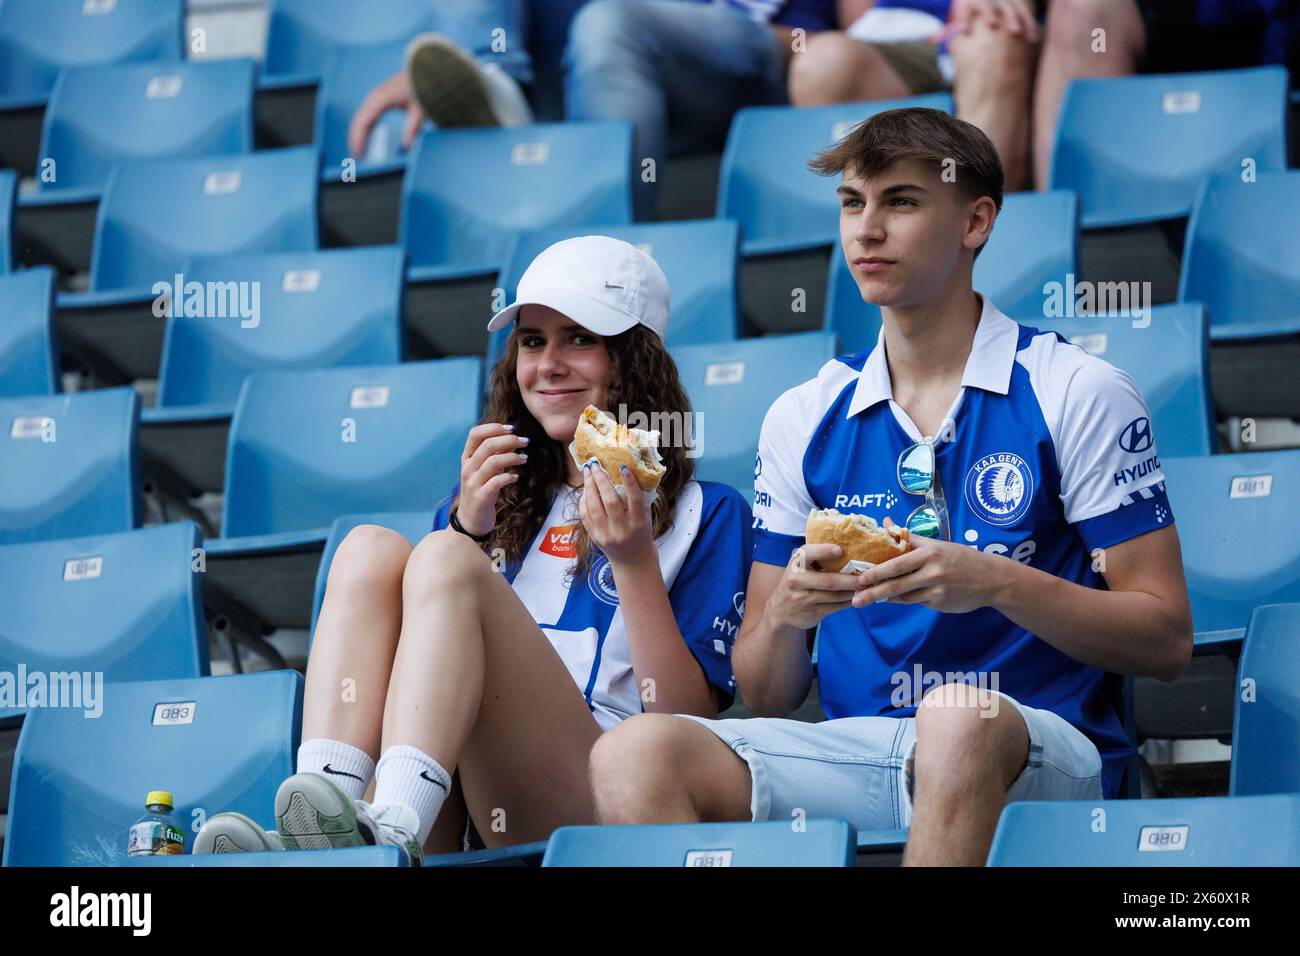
(614, 445)
(859, 537)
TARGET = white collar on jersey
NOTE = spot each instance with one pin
(992, 354)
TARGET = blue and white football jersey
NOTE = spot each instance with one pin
(1051, 456)
(705, 558)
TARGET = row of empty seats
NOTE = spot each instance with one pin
(77, 785)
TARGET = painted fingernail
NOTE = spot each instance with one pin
(509, 427)
(523, 457)
(627, 470)
(525, 439)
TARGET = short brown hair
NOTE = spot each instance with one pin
(928, 135)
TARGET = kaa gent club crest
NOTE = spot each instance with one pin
(999, 488)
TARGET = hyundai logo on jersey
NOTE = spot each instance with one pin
(1032, 448)
(1136, 436)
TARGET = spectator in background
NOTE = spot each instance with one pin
(985, 54)
(470, 73)
(679, 69)
(1157, 36)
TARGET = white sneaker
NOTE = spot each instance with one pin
(235, 833)
(312, 813)
(397, 825)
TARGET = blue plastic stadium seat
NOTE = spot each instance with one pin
(1242, 255)
(316, 310)
(69, 465)
(521, 854)
(214, 743)
(126, 605)
(1169, 361)
(413, 524)
(1034, 242)
(467, 191)
(40, 37)
(307, 447)
(349, 75)
(382, 438)
(29, 352)
(364, 856)
(8, 195)
(1136, 148)
(765, 182)
(1266, 728)
(158, 214)
(731, 386)
(101, 116)
(699, 257)
(1231, 512)
(1199, 831)
(302, 35)
(773, 843)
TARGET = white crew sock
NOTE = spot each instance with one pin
(347, 766)
(398, 779)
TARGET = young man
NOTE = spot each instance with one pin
(1056, 559)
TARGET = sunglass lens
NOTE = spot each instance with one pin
(924, 521)
(916, 469)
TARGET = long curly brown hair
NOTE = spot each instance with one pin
(645, 381)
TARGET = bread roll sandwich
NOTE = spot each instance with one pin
(861, 539)
(614, 445)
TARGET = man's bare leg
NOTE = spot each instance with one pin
(1074, 49)
(966, 759)
(835, 68)
(994, 78)
(658, 768)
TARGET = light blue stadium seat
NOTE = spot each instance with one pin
(1230, 511)
(348, 76)
(40, 37)
(308, 447)
(8, 196)
(521, 854)
(364, 856)
(1197, 831)
(214, 743)
(126, 605)
(324, 309)
(302, 35)
(1136, 148)
(468, 190)
(765, 183)
(771, 843)
(1242, 255)
(69, 465)
(1266, 728)
(29, 351)
(157, 214)
(101, 116)
(731, 385)
(1034, 241)
(327, 309)
(699, 258)
(1169, 361)
(413, 524)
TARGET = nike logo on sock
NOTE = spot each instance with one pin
(340, 773)
(424, 775)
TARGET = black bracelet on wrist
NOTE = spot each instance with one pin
(455, 523)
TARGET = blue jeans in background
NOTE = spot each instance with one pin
(677, 70)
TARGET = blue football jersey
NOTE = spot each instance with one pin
(705, 559)
(1046, 455)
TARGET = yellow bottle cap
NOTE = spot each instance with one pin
(158, 796)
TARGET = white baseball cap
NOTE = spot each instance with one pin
(604, 284)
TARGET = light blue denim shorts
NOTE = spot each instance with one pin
(861, 768)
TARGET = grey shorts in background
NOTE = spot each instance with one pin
(860, 768)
